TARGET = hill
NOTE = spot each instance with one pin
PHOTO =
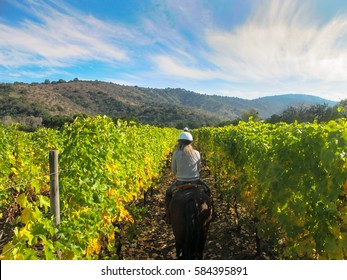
(162, 107)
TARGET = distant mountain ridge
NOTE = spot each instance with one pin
(164, 107)
(276, 104)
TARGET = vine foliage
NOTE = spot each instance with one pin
(103, 167)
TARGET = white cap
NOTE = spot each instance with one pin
(185, 129)
(186, 136)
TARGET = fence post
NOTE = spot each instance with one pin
(54, 186)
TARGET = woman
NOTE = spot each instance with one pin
(185, 166)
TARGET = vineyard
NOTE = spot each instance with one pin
(290, 179)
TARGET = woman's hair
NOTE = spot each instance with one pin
(186, 148)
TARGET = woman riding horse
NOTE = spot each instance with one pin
(185, 166)
(188, 203)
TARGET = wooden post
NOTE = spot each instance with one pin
(54, 183)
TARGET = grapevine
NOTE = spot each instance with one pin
(103, 166)
(291, 178)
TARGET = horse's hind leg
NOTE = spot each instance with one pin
(201, 250)
(202, 242)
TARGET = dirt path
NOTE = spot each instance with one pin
(151, 238)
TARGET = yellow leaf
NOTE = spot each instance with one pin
(124, 215)
(26, 215)
(111, 237)
(22, 200)
(106, 217)
(93, 247)
(112, 167)
(11, 157)
(22, 232)
(345, 187)
(110, 192)
(15, 170)
(6, 251)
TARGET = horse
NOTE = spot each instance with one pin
(191, 213)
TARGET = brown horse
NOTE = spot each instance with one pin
(191, 212)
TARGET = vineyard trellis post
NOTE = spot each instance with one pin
(54, 186)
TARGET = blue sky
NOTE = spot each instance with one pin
(242, 48)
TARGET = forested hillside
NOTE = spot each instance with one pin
(36, 103)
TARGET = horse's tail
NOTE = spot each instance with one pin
(192, 233)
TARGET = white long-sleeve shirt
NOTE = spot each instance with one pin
(186, 167)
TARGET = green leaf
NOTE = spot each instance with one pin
(44, 202)
(39, 229)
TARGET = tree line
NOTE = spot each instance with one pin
(32, 118)
(314, 113)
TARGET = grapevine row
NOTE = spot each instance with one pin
(104, 166)
(290, 177)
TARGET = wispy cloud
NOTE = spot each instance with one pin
(177, 68)
(275, 46)
(60, 36)
(280, 42)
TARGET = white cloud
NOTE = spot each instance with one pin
(280, 47)
(275, 44)
(177, 68)
(59, 37)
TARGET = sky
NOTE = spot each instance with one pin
(240, 48)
